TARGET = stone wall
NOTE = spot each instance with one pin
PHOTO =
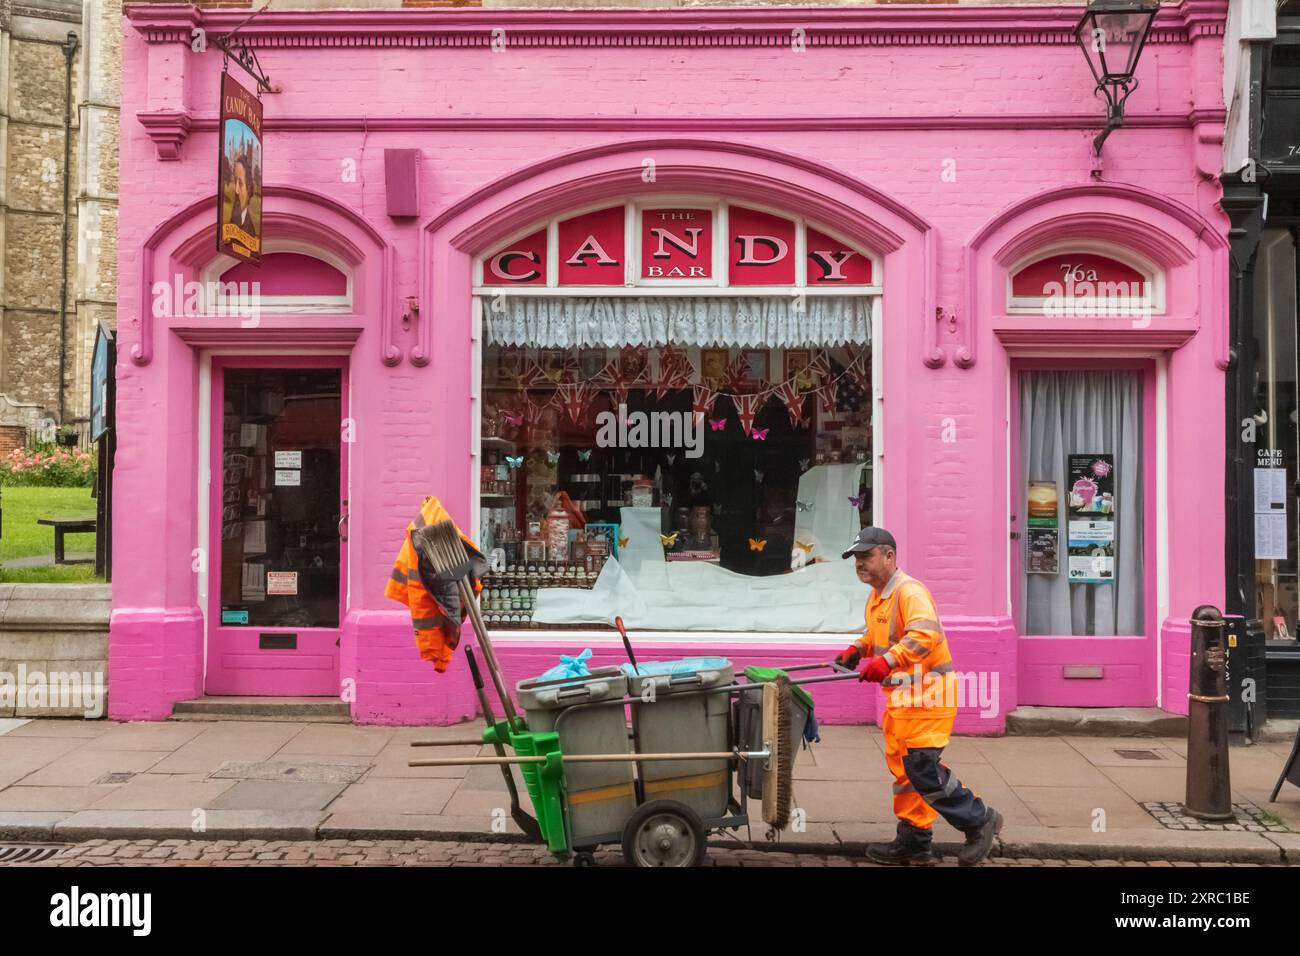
(54, 649)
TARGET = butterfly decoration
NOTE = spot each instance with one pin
(514, 461)
(717, 424)
(671, 458)
(552, 456)
(514, 421)
(622, 542)
(668, 540)
(760, 434)
(758, 476)
(804, 463)
(757, 544)
(805, 505)
(858, 500)
(805, 546)
(584, 454)
(805, 423)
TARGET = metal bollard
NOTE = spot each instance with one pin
(1209, 786)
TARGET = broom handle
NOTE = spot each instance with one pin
(588, 758)
(470, 603)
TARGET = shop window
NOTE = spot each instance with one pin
(1082, 572)
(1276, 435)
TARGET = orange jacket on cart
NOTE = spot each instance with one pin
(921, 689)
(434, 603)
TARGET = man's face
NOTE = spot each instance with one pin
(241, 184)
(875, 566)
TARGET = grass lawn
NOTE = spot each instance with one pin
(21, 536)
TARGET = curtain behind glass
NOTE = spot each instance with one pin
(777, 321)
(1064, 413)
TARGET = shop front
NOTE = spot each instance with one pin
(663, 349)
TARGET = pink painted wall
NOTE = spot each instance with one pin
(901, 127)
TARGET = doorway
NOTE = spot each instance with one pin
(277, 526)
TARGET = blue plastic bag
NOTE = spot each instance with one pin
(569, 667)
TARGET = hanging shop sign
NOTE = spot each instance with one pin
(239, 173)
(679, 245)
(1091, 532)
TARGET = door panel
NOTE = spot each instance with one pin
(278, 474)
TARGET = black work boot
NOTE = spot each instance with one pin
(979, 840)
(910, 848)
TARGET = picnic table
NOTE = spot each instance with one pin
(62, 526)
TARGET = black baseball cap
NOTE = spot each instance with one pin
(868, 538)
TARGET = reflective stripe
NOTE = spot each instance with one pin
(426, 623)
(903, 788)
(418, 522)
(915, 646)
(906, 677)
(947, 790)
(926, 625)
(944, 668)
(891, 584)
(889, 659)
(397, 575)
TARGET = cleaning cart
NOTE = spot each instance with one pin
(652, 757)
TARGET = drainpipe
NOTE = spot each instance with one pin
(69, 47)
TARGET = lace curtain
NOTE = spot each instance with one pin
(711, 321)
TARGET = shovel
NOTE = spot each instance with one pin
(517, 813)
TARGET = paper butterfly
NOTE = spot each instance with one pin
(805, 505)
(757, 545)
(514, 461)
(514, 421)
(760, 434)
(584, 455)
(858, 500)
(717, 424)
(622, 542)
(805, 422)
(671, 458)
(806, 547)
(758, 475)
(552, 456)
(803, 464)
(668, 540)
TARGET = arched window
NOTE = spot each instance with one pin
(292, 278)
(676, 418)
(1084, 279)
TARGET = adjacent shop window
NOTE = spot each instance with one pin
(1277, 441)
(1082, 469)
(280, 497)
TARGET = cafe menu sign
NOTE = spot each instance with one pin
(678, 245)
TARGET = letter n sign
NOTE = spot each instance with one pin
(677, 243)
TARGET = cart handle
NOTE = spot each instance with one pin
(590, 758)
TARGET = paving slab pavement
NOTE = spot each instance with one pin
(1062, 797)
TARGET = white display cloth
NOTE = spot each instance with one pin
(650, 593)
(776, 321)
(831, 523)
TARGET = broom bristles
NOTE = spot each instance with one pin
(444, 548)
(778, 774)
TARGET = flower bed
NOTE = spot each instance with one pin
(48, 467)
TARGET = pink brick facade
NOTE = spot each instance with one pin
(950, 141)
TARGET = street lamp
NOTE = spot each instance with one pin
(1111, 34)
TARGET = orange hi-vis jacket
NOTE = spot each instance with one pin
(434, 604)
(903, 627)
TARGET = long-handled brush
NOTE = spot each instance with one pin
(517, 813)
(441, 545)
(778, 772)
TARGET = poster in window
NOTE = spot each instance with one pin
(1091, 534)
(239, 173)
(1042, 557)
(1043, 505)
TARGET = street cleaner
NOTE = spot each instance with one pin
(906, 653)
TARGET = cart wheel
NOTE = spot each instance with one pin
(584, 859)
(664, 833)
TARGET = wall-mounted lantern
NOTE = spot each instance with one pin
(1111, 34)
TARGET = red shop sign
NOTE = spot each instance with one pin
(522, 263)
(677, 243)
(1077, 273)
(761, 248)
(591, 248)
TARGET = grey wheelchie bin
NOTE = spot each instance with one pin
(663, 722)
(600, 796)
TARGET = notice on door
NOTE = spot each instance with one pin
(288, 478)
(288, 459)
(281, 582)
(1090, 480)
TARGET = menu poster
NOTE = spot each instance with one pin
(1091, 534)
(1270, 507)
(1042, 558)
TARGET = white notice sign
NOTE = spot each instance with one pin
(290, 479)
(281, 582)
(288, 459)
(1270, 537)
(1270, 490)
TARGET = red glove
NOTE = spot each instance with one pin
(849, 657)
(876, 669)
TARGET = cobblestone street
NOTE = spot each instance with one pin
(436, 853)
